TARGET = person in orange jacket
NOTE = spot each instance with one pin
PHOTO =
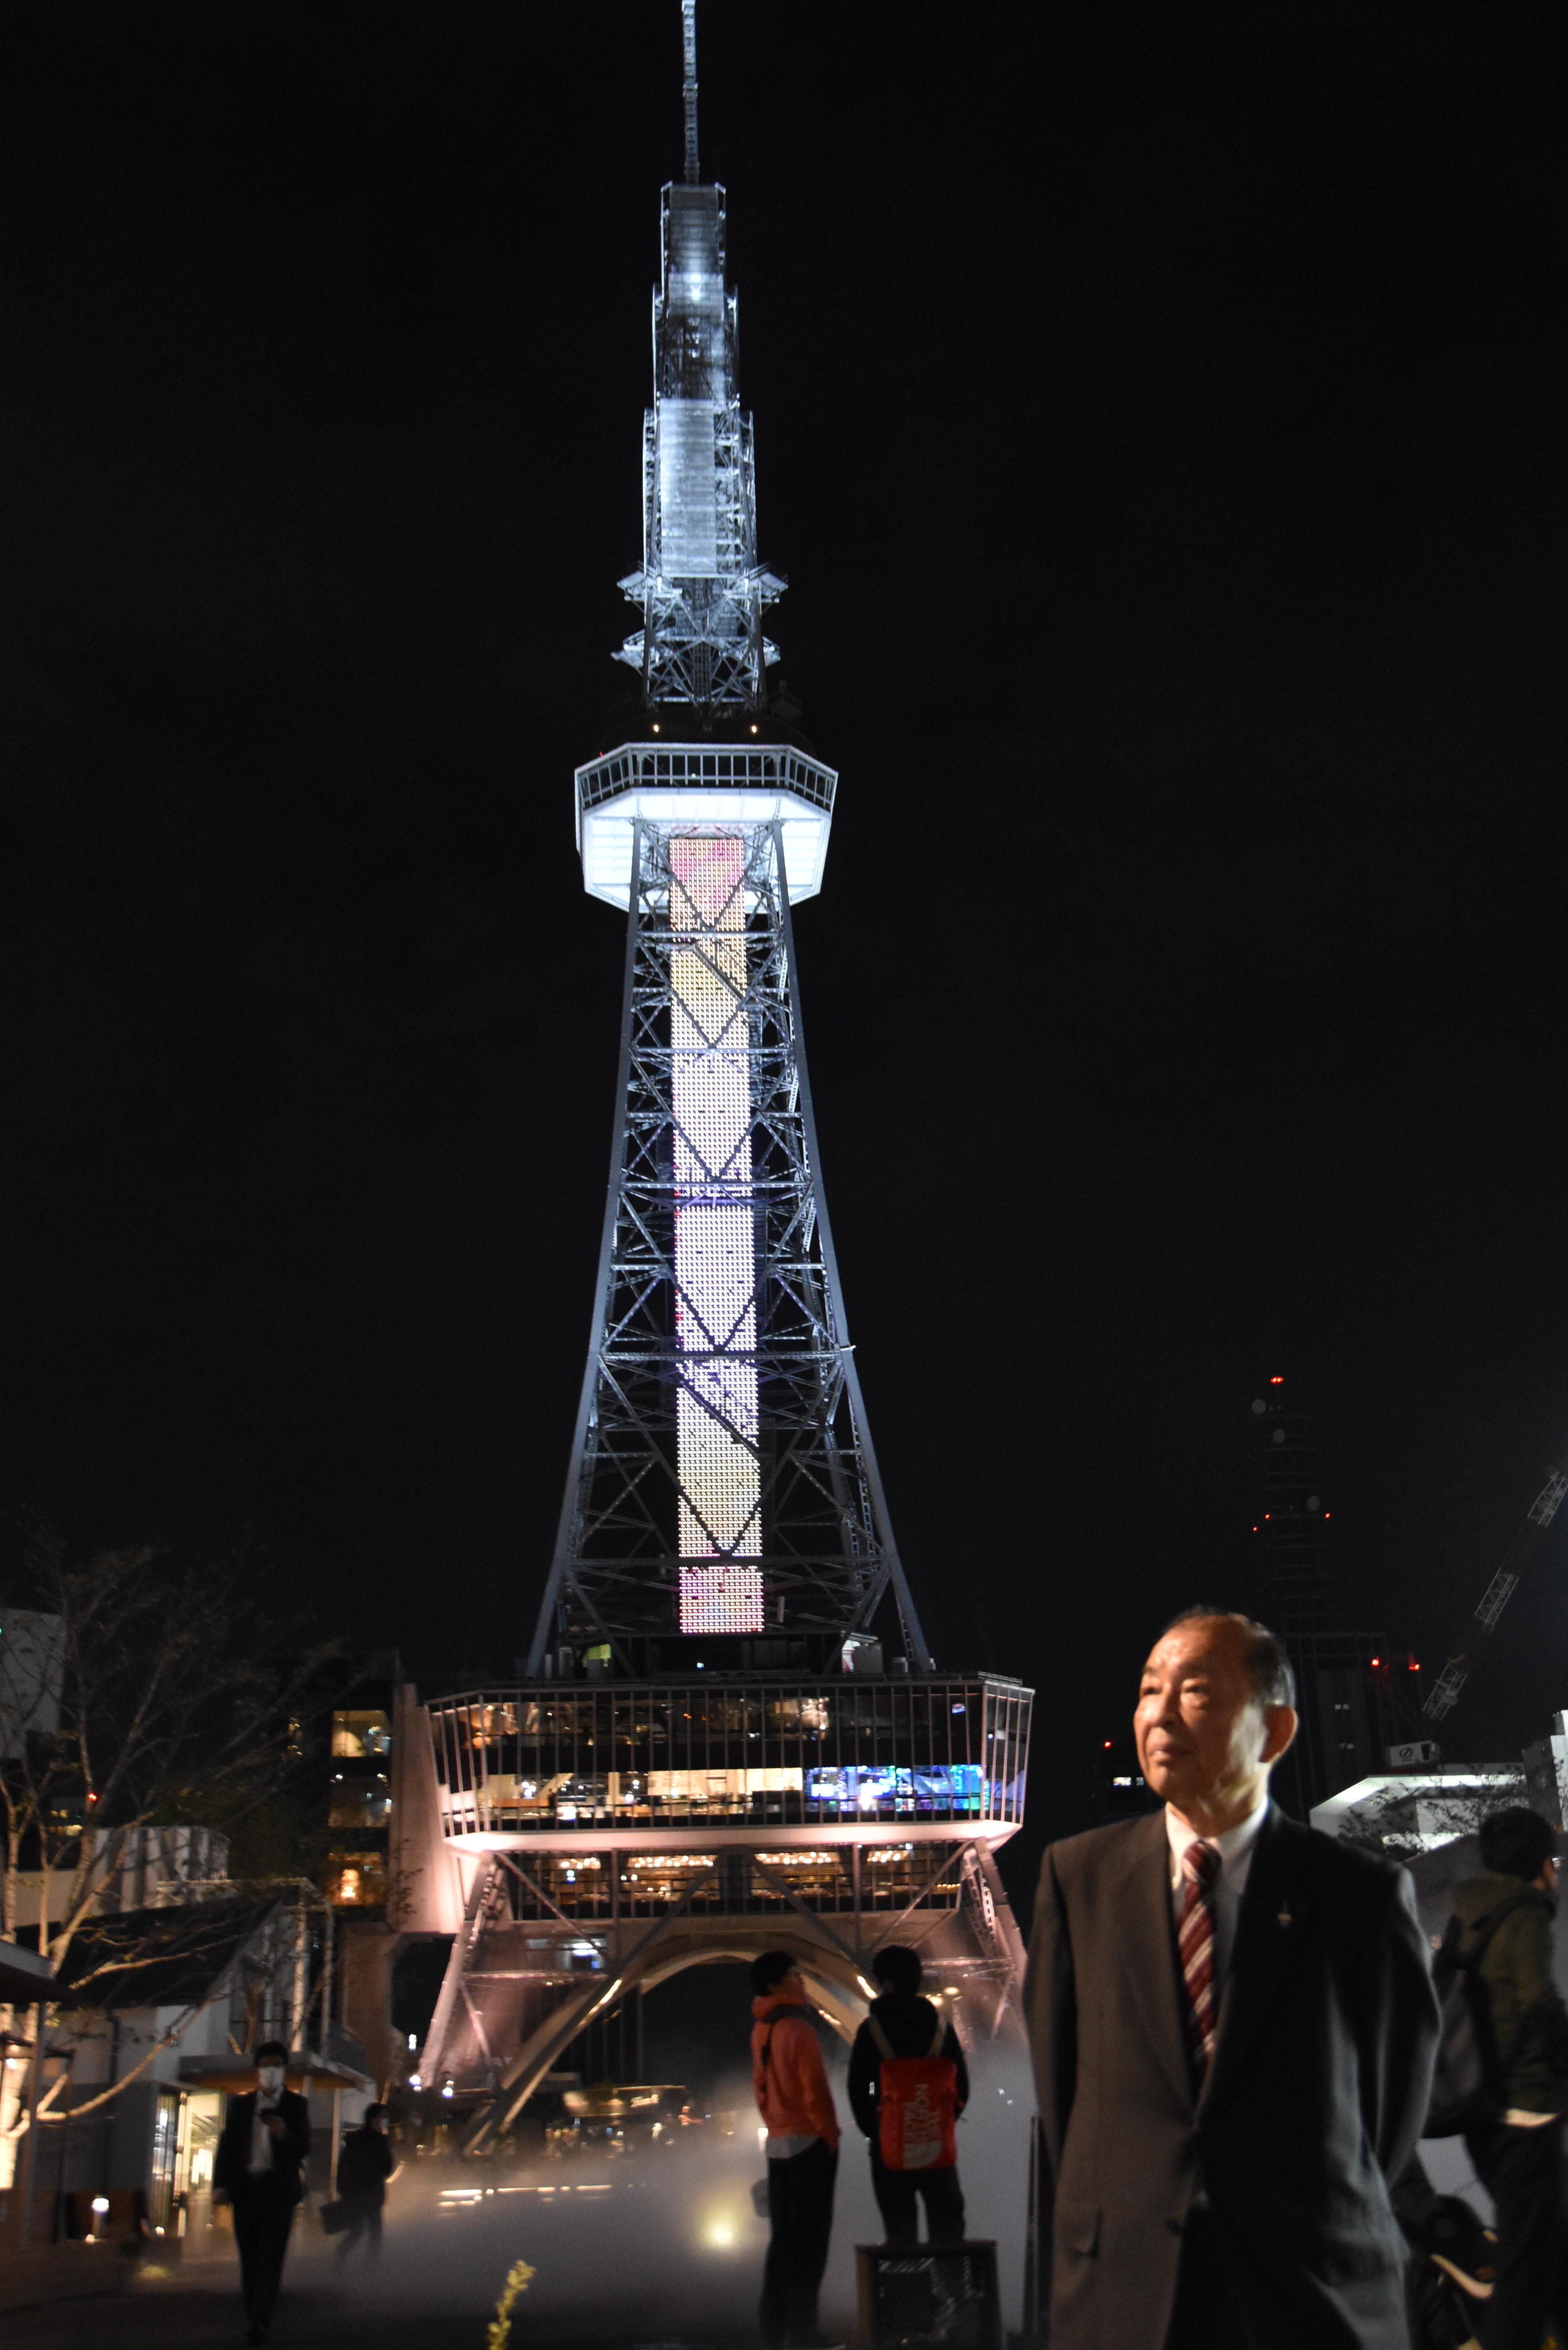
(790, 2083)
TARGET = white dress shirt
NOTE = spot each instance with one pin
(1236, 1847)
(261, 2137)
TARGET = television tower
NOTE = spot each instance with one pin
(723, 1479)
(732, 1734)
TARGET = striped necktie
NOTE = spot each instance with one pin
(1195, 1941)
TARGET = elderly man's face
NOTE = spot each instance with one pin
(1203, 1736)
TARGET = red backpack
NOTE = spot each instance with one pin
(917, 2104)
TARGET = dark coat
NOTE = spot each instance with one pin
(1527, 2011)
(909, 2022)
(364, 2166)
(231, 2166)
(1314, 2098)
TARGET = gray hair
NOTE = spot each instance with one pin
(1263, 1653)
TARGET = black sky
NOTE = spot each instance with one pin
(1159, 419)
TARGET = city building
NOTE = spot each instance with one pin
(1545, 1764)
(367, 1937)
(359, 1800)
(145, 1867)
(1429, 1814)
(1409, 1811)
(1356, 1699)
(153, 2009)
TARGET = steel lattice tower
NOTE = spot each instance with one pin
(732, 1735)
(723, 1479)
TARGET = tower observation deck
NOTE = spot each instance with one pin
(732, 1734)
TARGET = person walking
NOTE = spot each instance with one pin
(1234, 2024)
(265, 2139)
(364, 2167)
(1518, 2157)
(905, 2034)
(789, 2080)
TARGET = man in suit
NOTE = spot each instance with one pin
(1233, 2025)
(265, 2138)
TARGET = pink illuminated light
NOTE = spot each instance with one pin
(719, 1505)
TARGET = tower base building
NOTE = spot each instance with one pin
(583, 1843)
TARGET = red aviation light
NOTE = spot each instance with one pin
(1278, 1380)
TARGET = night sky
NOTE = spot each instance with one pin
(1159, 419)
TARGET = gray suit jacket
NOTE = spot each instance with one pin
(1314, 2098)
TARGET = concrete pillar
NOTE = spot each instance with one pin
(365, 1990)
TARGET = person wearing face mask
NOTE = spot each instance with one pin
(265, 2139)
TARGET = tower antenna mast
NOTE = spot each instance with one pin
(689, 88)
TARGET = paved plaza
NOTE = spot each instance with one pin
(624, 2256)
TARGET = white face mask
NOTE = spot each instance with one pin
(271, 2078)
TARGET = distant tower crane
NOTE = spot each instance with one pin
(1522, 1549)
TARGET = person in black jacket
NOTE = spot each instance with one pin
(265, 2139)
(364, 2167)
(911, 2026)
(1520, 2157)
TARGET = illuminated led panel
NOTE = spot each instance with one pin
(720, 1504)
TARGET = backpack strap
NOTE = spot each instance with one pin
(936, 2047)
(1485, 1927)
(884, 2046)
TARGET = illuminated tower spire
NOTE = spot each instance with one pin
(689, 88)
(700, 588)
(722, 1481)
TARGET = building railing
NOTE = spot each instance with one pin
(830, 1753)
(770, 767)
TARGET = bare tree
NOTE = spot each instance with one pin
(143, 1691)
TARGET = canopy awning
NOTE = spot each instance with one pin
(303, 2073)
(24, 1977)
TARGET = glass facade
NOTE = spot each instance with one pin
(606, 1888)
(625, 1756)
